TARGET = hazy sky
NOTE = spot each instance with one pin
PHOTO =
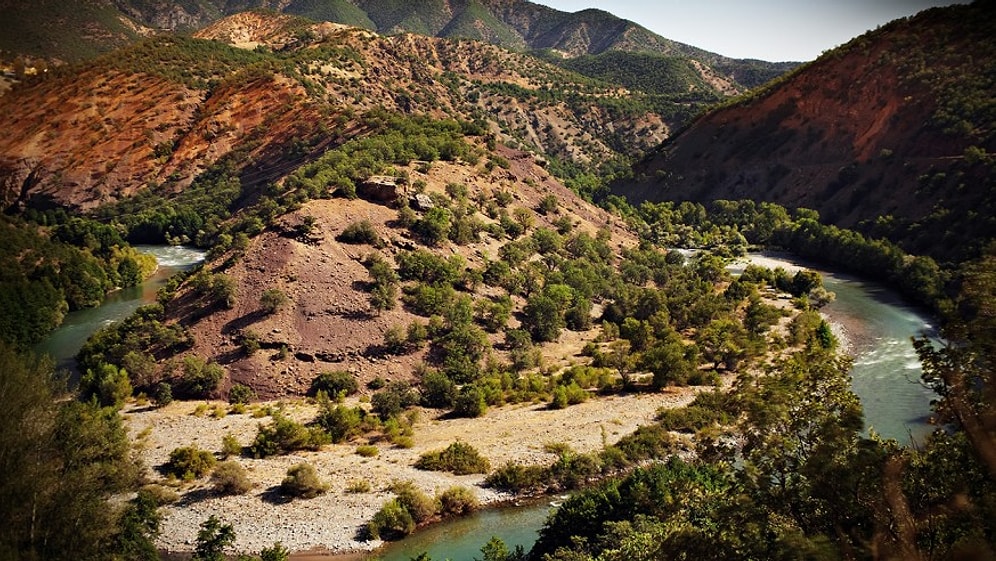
(772, 30)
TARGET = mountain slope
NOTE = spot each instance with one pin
(157, 114)
(893, 132)
(79, 29)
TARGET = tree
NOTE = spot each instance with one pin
(212, 540)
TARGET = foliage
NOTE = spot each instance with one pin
(213, 538)
(44, 275)
(392, 521)
(302, 482)
(240, 393)
(230, 478)
(456, 501)
(459, 458)
(272, 300)
(107, 384)
(188, 462)
(335, 383)
(419, 505)
(361, 232)
(394, 399)
(200, 378)
(284, 435)
(62, 461)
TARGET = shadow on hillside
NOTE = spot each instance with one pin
(242, 322)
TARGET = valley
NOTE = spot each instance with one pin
(441, 273)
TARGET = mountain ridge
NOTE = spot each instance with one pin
(892, 133)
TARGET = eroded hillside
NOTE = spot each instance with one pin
(154, 116)
(892, 133)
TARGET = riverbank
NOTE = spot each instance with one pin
(331, 524)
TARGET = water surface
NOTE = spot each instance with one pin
(63, 343)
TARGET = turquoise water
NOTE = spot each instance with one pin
(461, 539)
(886, 371)
(68, 339)
(878, 326)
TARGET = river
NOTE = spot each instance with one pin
(885, 375)
(877, 323)
(65, 342)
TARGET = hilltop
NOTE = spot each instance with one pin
(892, 134)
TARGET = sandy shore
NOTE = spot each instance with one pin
(330, 522)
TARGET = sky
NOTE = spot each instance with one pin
(772, 30)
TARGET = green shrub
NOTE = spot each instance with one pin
(392, 521)
(457, 500)
(548, 204)
(516, 478)
(284, 435)
(163, 394)
(341, 423)
(470, 402)
(459, 458)
(333, 384)
(420, 506)
(161, 494)
(230, 446)
(394, 399)
(302, 482)
(367, 450)
(200, 378)
(107, 383)
(646, 443)
(272, 300)
(358, 486)
(241, 394)
(188, 462)
(230, 478)
(361, 232)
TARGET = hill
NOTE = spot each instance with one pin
(153, 116)
(892, 133)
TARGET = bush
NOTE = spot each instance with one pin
(188, 462)
(302, 482)
(420, 506)
(284, 435)
(230, 478)
(470, 402)
(340, 422)
(163, 394)
(367, 450)
(161, 494)
(457, 500)
(241, 394)
(272, 300)
(548, 204)
(230, 446)
(358, 486)
(333, 384)
(394, 399)
(200, 377)
(392, 521)
(516, 478)
(361, 232)
(458, 458)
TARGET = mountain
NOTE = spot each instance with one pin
(155, 115)
(892, 133)
(79, 29)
